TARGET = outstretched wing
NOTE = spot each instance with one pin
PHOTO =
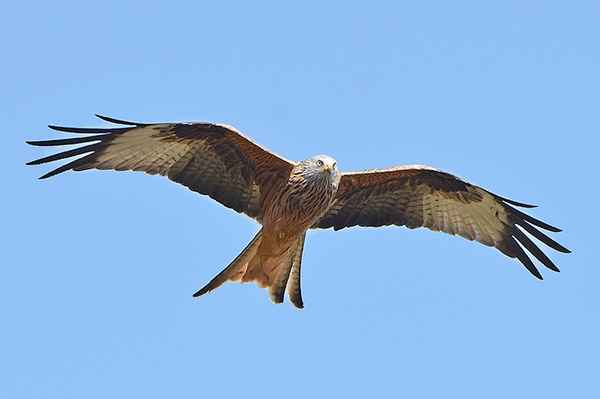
(212, 159)
(420, 196)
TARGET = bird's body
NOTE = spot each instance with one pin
(303, 199)
(288, 198)
(296, 206)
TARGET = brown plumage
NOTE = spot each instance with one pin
(288, 198)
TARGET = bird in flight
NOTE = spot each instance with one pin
(288, 198)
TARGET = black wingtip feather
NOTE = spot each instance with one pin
(523, 258)
(541, 236)
(533, 220)
(515, 203)
(70, 141)
(534, 250)
(89, 130)
(118, 121)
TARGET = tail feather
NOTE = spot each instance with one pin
(236, 269)
(293, 283)
(289, 275)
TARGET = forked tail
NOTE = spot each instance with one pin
(277, 273)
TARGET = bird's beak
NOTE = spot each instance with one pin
(327, 167)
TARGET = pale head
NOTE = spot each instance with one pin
(321, 168)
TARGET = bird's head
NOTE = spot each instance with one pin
(325, 163)
(321, 167)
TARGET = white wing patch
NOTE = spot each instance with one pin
(143, 149)
(482, 221)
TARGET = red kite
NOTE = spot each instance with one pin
(288, 198)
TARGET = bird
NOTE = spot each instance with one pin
(289, 198)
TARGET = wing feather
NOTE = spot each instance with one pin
(211, 159)
(420, 196)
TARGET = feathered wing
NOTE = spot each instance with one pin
(420, 196)
(211, 159)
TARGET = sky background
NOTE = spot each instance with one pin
(97, 269)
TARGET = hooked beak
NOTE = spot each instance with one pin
(327, 167)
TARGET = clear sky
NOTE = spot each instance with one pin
(98, 268)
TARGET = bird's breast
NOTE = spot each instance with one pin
(297, 207)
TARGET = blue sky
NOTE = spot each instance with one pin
(98, 268)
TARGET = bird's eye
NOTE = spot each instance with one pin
(334, 165)
(320, 163)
